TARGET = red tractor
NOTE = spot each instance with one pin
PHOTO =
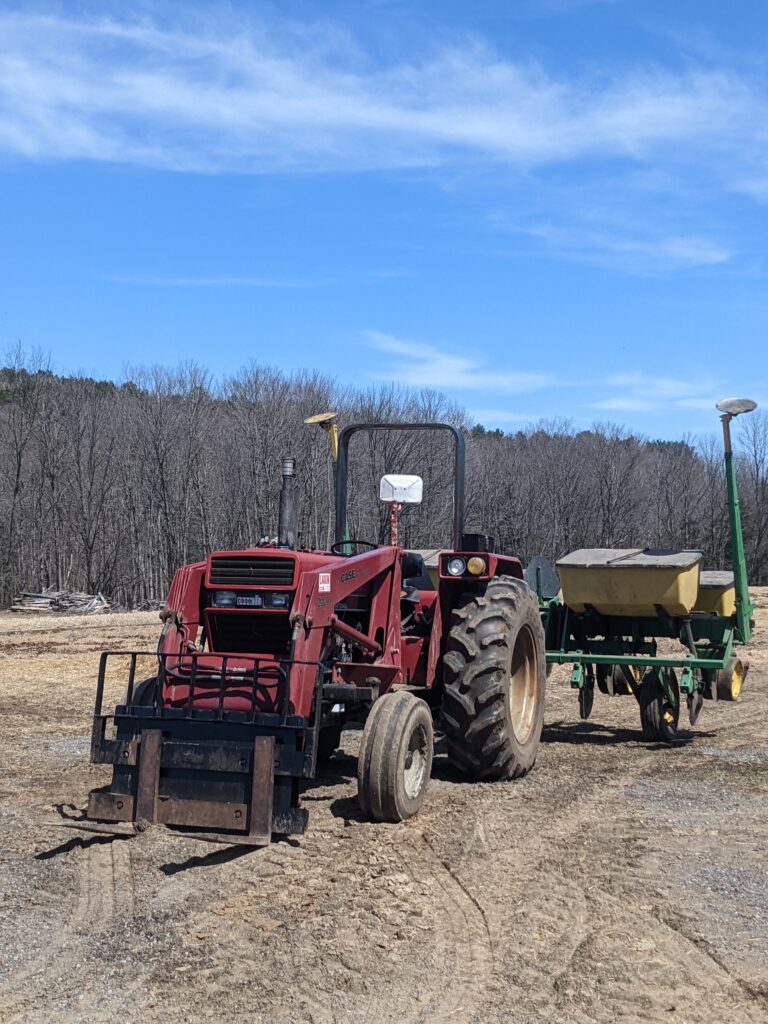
(266, 653)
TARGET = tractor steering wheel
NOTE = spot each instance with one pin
(366, 545)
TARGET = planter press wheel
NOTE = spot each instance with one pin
(730, 679)
(659, 717)
(612, 680)
(605, 679)
(586, 696)
(395, 759)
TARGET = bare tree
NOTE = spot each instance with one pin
(110, 487)
(22, 385)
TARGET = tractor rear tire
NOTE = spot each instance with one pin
(658, 717)
(494, 676)
(395, 759)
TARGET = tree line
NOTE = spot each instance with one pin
(109, 487)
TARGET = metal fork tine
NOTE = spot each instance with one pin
(222, 684)
(253, 692)
(192, 680)
(131, 678)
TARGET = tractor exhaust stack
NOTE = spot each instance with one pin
(288, 509)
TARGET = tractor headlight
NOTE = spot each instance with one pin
(279, 600)
(456, 566)
(224, 599)
(476, 566)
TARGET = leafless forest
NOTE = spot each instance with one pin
(108, 487)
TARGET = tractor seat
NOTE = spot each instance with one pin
(415, 573)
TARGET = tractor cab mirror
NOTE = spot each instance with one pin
(404, 489)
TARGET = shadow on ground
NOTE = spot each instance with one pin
(605, 735)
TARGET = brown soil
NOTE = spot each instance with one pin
(619, 881)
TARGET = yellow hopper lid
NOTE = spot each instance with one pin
(630, 558)
(715, 579)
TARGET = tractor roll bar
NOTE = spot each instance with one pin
(458, 472)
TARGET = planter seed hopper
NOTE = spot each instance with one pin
(615, 605)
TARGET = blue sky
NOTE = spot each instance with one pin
(545, 208)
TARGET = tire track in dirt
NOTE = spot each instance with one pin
(437, 966)
(458, 994)
(624, 909)
(110, 883)
(17, 984)
(674, 924)
(681, 979)
(101, 868)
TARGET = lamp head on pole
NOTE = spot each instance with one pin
(735, 406)
(730, 407)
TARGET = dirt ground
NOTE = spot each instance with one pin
(618, 882)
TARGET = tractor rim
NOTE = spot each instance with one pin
(670, 711)
(737, 677)
(523, 684)
(415, 768)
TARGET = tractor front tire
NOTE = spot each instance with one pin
(328, 742)
(395, 759)
(143, 693)
(494, 677)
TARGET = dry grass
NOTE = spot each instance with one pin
(49, 665)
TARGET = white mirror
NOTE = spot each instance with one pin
(401, 487)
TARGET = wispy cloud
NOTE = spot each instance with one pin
(242, 281)
(756, 187)
(634, 392)
(341, 278)
(497, 417)
(631, 251)
(707, 404)
(642, 392)
(239, 98)
(420, 365)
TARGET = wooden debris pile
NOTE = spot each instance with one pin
(60, 602)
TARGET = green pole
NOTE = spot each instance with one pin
(744, 606)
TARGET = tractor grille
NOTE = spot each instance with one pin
(250, 633)
(251, 571)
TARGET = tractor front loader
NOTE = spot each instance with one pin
(266, 653)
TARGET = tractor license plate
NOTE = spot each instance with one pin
(249, 601)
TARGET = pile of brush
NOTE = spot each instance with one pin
(60, 602)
